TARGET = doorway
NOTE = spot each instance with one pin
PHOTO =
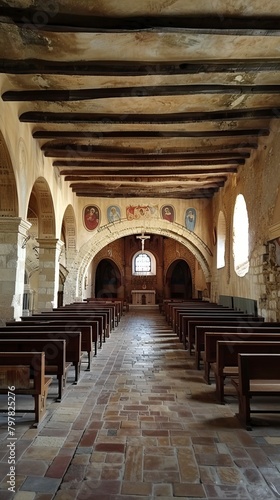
(107, 280)
(179, 280)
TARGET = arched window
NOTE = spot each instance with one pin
(221, 240)
(240, 237)
(143, 264)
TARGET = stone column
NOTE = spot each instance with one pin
(49, 252)
(70, 287)
(13, 238)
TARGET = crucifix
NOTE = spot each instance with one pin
(142, 237)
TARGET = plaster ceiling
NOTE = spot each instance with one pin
(143, 99)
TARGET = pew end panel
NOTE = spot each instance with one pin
(24, 374)
(55, 356)
(258, 375)
(226, 365)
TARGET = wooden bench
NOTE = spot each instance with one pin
(171, 305)
(228, 327)
(119, 304)
(190, 309)
(73, 340)
(181, 313)
(78, 318)
(203, 314)
(211, 339)
(88, 330)
(90, 313)
(258, 375)
(191, 322)
(23, 373)
(226, 365)
(55, 356)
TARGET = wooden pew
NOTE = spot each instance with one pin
(23, 373)
(55, 356)
(108, 312)
(73, 316)
(181, 313)
(226, 365)
(188, 308)
(258, 375)
(90, 313)
(120, 303)
(210, 342)
(73, 340)
(192, 321)
(228, 327)
(185, 317)
(171, 305)
(89, 330)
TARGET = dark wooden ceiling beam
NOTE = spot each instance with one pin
(66, 118)
(205, 162)
(164, 175)
(136, 92)
(132, 68)
(57, 134)
(235, 161)
(72, 160)
(144, 158)
(45, 17)
(189, 195)
(143, 187)
(128, 193)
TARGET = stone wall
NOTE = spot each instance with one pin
(258, 181)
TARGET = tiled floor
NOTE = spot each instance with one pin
(141, 424)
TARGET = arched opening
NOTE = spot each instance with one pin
(60, 293)
(240, 237)
(8, 189)
(221, 241)
(107, 280)
(180, 280)
(120, 245)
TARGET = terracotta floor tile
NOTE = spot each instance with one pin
(136, 488)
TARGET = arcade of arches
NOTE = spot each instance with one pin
(56, 248)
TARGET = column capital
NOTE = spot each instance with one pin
(49, 243)
(14, 224)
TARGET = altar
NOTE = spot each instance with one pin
(143, 297)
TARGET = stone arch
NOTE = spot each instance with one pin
(69, 229)
(41, 207)
(8, 189)
(106, 234)
(41, 216)
(274, 228)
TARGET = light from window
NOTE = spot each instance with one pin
(240, 237)
(142, 263)
(221, 241)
